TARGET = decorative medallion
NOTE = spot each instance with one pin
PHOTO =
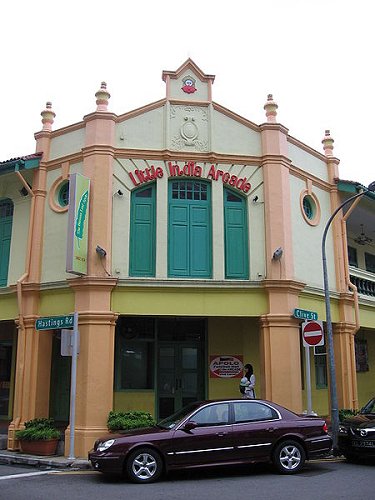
(188, 85)
(189, 131)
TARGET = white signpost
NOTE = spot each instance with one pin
(312, 335)
(69, 347)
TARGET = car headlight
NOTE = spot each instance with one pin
(343, 429)
(106, 444)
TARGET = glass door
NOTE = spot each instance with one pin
(5, 378)
(180, 376)
(60, 383)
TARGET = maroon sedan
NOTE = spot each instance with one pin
(210, 433)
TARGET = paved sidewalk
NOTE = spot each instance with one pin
(58, 462)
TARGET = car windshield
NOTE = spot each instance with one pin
(176, 418)
(369, 408)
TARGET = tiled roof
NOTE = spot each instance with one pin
(27, 162)
(34, 156)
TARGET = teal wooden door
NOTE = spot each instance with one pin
(236, 236)
(189, 232)
(142, 232)
(6, 221)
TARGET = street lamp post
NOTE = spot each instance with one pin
(331, 357)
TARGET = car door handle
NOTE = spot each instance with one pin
(270, 429)
(221, 434)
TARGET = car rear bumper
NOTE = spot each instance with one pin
(111, 464)
(318, 447)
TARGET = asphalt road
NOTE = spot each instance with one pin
(334, 479)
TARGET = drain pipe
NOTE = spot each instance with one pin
(354, 290)
(20, 281)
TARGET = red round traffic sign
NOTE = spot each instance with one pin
(312, 332)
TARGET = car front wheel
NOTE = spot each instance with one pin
(144, 465)
(289, 457)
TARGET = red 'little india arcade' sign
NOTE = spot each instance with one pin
(190, 169)
(312, 333)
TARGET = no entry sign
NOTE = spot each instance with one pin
(312, 333)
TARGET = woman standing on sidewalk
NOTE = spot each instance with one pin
(248, 382)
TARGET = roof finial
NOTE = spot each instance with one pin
(102, 97)
(47, 117)
(271, 109)
(327, 142)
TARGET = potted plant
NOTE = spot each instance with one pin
(39, 437)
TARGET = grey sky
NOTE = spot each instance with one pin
(314, 56)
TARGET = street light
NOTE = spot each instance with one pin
(331, 357)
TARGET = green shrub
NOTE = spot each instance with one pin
(38, 429)
(345, 413)
(118, 420)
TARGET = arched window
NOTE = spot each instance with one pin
(236, 236)
(189, 231)
(6, 221)
(142, 232)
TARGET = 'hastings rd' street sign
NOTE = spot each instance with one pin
(55, 322)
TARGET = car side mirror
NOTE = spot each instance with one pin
(190, 425)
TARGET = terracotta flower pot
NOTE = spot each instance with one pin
(43, 447)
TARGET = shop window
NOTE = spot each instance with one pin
(189, 231)
(361, 355)
(320, 359)
(352, 256)
(142, 232)
(6, 222)
(235, 236)
(370, 262)
(135, 346)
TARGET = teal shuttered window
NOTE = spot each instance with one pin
(142, 232)
(6, 221)
(190, 231)
(236, 236)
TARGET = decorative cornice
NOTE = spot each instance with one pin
(167, 155)
(188, 64)
(289, 285)
(98, 149)
(284, 160)
(141, 110)
(99, 115)
(273, 126)
(92, 282)
(180, 102)
(310, 150)
(236, 117)
(342, 328)
(97, 317)
(282, 320)
(170, 283)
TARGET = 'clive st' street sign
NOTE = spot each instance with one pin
(54, 322)
(305, 315)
